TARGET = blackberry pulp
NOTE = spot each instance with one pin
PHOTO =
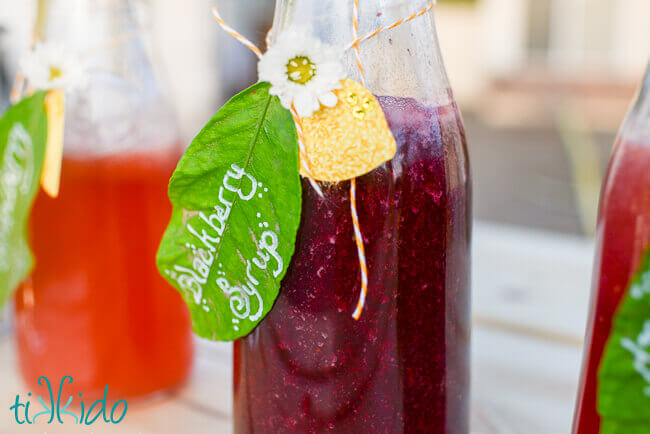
(404, 365)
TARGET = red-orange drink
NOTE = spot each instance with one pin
(623, 237)
(95, 308)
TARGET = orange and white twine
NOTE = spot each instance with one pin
(353, 205)
(304, 158)
(235, 34)
(355, 35)
(361, 252)
(18, 89)
(303, 154)
(268, 38)
(371, 35)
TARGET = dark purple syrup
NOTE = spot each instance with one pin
(404, 366)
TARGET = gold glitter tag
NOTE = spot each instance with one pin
(54, 110)
(350, 139)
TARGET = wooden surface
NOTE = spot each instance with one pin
(530, 297)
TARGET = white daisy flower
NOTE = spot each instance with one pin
(50, 66)
(302, 71)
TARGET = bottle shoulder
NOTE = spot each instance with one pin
(626, 189)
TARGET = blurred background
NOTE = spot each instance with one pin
(543, 86)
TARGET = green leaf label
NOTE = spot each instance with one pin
(624, 374)
(236, 197)
(23, 136)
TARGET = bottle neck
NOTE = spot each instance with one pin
(104, 33)
(83, 24)
(402, 62)
(122, 106)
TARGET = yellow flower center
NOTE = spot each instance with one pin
(300, 70)
(55, 72)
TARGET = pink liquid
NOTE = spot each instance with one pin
(95, 307)
(404, 366)
(623, 236)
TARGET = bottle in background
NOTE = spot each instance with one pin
(95, 307)
(614, 373)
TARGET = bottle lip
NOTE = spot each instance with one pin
(637, 125)
(111, 3)
(87, 26)
(646, 81)
(45, 4)
(389, 10)
(414, 5)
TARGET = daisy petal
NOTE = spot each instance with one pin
(50, 66)
(328, 99)
(286, 101)
(306, 104)
(284, 66)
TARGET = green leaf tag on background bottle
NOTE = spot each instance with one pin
(23, 138)
(624, 375)
(236, 197)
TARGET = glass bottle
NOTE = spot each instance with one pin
(404, 365)
(95, 307)
(622, 239)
